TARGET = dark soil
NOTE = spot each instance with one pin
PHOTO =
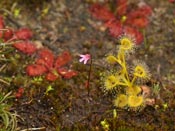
(69, 26)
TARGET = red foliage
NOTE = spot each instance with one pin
(146, 10)
(171, 1)
(67, 73)
(139, 22)
(36, 70)
(101, 12)
(47, 63)
(121, 7)
(63, 59)
(25, 47)
(51, 76)
(126, 21)
(1, 22)
(46, 58)
(143, 11)
(19, 93)
(115, 27)
(135, 33)
(7, 34)
(23, 34)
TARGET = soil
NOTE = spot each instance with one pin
(68, 25)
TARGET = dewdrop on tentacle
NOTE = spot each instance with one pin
(110, 82)
(141, 71)
(127, 43)
(121, 100)
(136, 102)
(135, 90)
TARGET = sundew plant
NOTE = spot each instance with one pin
(124, 80)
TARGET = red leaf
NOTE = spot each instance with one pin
(21, 90)
(70, 74)
(63, 59)
(143, 11)
(141, 22)
(51, 76)
(146, 10)
(8, 34)
(46, 58)
(1, 34)
(101, 12)
(23, 34)
(115, 28)
(25, 47)
(62, 71)
(121, 7)
(171, 1)
(1, 22)
(36, 70)
(42, 62)
(67, 73)
(18, 95)
(135, 33)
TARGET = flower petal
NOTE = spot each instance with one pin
(81, 60)
(85, 61)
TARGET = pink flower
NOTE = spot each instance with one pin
(85, 58)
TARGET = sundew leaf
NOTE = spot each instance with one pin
(100, 12)
(62, 59)
(23, 34)
(25, 47)
(46, 58)
(67, 73)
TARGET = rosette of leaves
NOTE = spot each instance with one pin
(121, 17)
